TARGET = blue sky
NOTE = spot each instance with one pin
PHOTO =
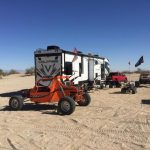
(116, 29)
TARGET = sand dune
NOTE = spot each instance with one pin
(113, 121)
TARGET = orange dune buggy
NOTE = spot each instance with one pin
(60, 89)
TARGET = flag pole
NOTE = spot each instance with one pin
(129, 72)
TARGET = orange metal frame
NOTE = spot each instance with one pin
(55, 91)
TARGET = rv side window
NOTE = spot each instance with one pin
(80, 69)
(107, 67)
(82, 65)
(102, 71)
(96, 62)
(68, 68)
(96, 75)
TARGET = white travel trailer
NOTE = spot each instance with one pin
(55, 61)
(101, 70)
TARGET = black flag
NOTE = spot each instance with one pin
(141, 60)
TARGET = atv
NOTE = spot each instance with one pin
(129, 88)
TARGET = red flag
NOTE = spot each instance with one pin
(75, 51)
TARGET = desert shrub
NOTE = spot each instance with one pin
(30, 71)
(1, 72)
(141, 70)
(12, 71)
(127, 72)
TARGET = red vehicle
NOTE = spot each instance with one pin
(117, 76)
(114, 78)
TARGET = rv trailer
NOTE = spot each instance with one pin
(101, 70)
(83, 68)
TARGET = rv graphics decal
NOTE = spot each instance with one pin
(48, 66)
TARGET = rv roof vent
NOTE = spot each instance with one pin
(52, 47)
(89, 54)
(79, 52)
(96, 55)
(39, 50)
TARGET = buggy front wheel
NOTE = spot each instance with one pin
(66, 106)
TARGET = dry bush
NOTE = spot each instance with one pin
(30, 71)
(12, 71)
(1, 72)
(141, 70)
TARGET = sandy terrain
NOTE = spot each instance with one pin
(113, 121)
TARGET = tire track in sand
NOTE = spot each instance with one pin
(83, 133)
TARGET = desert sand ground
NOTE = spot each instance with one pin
(113, 121)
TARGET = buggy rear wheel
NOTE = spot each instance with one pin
(66, 105)
(16, 102)
(85, 101)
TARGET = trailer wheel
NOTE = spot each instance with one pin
(134, 90)
(118, 84)
(66, 105)
(102, 86)
(126, 80)
(110, 85)
(85, 101)
(137, 83)
(123, 90)
(16, 102)
(85, 87)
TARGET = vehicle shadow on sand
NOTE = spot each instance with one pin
(50, 109)
(118, 92)
(43, 108)
(145, 101)
(144, 86)
(10, 94)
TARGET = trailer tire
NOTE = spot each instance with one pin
(86, 101)
(110, 85)
(118, 84)
(16, 102)
(126, 80)
(134, 90)
(85, 87)
(123, 90)
(137, 83)
(66, 106)
(101, 86)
